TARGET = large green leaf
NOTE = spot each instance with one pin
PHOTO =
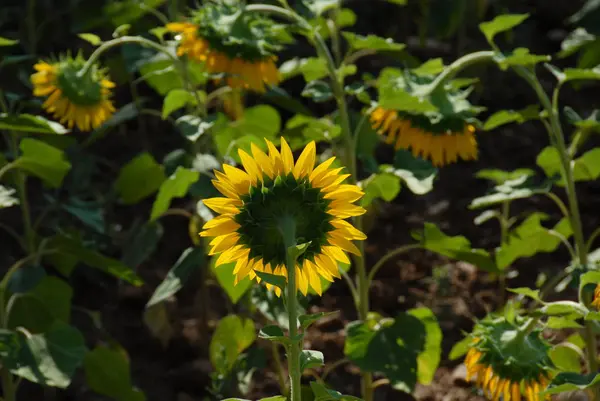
(108, 373)
(57, 354)
(56, 296)
(392, 347)
(372, 42)
(500, 24)
(429, 359)
(457, 247)
(139, 178)
(43, 161)
(226, 279)
(76, 251)
(30, 124)
(384, 185)
(29, 312)
(529, 238)
(566, 357)
(190, 260)
(231, 337)
(585, 168)
(176, 186)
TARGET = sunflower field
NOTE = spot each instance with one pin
(304, 200)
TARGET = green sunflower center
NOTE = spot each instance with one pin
(82, 91)
(267, 204)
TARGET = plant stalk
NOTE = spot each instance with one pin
(294, 346)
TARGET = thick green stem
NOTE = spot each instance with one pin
(294, 346)
(459, 65)
(558, 140)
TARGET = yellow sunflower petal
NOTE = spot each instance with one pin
(286, 157)
(306, 162)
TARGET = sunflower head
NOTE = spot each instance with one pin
(74, 99)
(272, 192)
(505, 361)
(442, 134)
(233, 42)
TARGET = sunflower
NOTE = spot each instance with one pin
(239, 45)
(429, 141)
(273, 188)
(72, 99)
(505, 362)
(596, 301)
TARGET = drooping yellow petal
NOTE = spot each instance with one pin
(223, 205)
(343, 243)
(336, 253)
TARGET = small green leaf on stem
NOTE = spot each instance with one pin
(311, 359)
(500, 24)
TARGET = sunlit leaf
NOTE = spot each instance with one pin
(500, 24)
(139, 178)
(176, 186)
(429, 359)
(311, 359)
(585, 167)
(319, 91)
(519, 188)
(372, 42)
(91, 38)
(43, 161)
(30, 123)
(175, 100)
(385, 186)
(501, 176)
(503, 117)
(193, 127)
(430, 67)
(7, 42)
(566, 357)
(231, 337)
(520, 56)
(7, 197)
(575, 41)
(226, 279)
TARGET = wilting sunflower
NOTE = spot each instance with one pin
(232, 42)
(274, 188)
(442, 143)
(505, 362)
(72, 99)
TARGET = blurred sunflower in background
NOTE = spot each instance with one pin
(438, 126)
(442, 143)
(596, 300)
(273, 188)
(232, 42)
(72, 99)
(506, 362)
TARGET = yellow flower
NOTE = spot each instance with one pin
(596, 301)
(440, 147)
(241, 72)
(494, 385)
(73, 100)
(272, 188)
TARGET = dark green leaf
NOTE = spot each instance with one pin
(30, 313)
(500, 24)
(56, 296)
(322, 393)
(307, 320)
(57, 353)
(568, 381)
(277, 281)
(281, 98)
(190, 260)
(319, 91)
(231, 337)
(192, 127)
(43, 161)
(503, 117)
(139, 178)
(31, 124)
(143, 243)
(25, 278)
(372, 42)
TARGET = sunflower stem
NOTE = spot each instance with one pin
(566, 169)
(287, 227)
(457, 66)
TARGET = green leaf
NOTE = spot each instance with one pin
(281, 98)
(566, 357)
(530, 238)
(273, 333)
(503, 117)
(575, 41)
(500, 24)
(585, 168)
(226, 279)
(30, 313)
(142, 244)
(56, 296)
(231, 337)
(319, 91)
(518, 188)
(318, 7)
(559, 323)
(91, 38)
(313, 68)
(43, 161)
(25, 279)
(7, 197)
(7, 42)
(592, 277)
(385, 186)
(501, 176)
(528, 292)
(563, 308)
(307, 320)
(301, 129)
(57, 354)
(395, 93)
(107, 372)
(372, 42)
(322, 393)
(193, 127)
(568, 381)
(175, 100)
(190, 259)
(277, 281)
(399, 2)
(391, 348)
(139, 178)
(573, 74)
(77, 251)
(460, 348)
(457, 247)
(311, 359)
(429, 68)
(429, 359)
(520, 56)
(176, 186)
(30, 124)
